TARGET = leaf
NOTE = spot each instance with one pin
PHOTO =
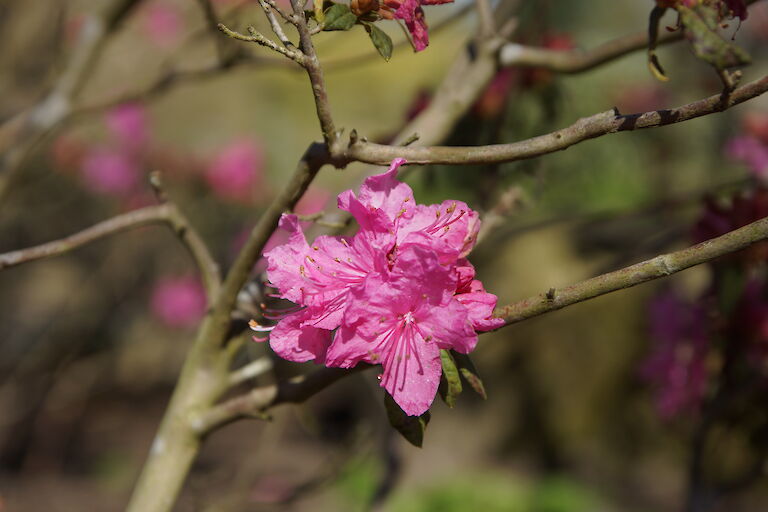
(450, 381)
(469, 373)
(700, 27)
(381, 41)
(653, 37)
(339, 17)
(410, 427)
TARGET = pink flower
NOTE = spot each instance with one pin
(163, 24)
(178, 301)
(394, 294)
(412, 14)
(110, 172)
(129, 125)
(236, 173)
(750, 151)
(677, 366)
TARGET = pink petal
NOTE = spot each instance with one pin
(286, 262)
(294, 341)
(480, 306)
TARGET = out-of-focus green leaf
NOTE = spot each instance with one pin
(450, 381)
(410, 427)
(339, 17)
(468, 371)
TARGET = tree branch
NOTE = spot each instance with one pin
(257, 401)
(21, 135)
(313, 159)
(660, 266)
(586, 128)
(165, 213)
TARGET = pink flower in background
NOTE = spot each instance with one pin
(110, 172)
(178, 301)
(162, 23)
(237, 172)
(394, 294)
(129, 124)
(676, 367)
(751, 152)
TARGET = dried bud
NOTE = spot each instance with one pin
(361, 7)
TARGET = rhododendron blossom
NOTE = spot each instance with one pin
(395, 293)
(412, 14)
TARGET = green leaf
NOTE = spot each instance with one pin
(700, 26)
(410, 427)
(380, 40)
(450, 381)
(339, 17)
(469, 373)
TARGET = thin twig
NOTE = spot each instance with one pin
(586, 128)
(277, 29)
(256, 37)
(660, 266)
(315, 74)
(250, 371)
(487, 26)
(165, 213)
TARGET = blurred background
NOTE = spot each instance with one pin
(651, 398)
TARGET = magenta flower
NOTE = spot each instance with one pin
(178, 301)
(128, 123)
(394, 294)
(412, 14)
(162, 23)
(676, 367)
(110, 172)
(237, 172)
(750, 151)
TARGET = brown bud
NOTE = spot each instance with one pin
(361, 7)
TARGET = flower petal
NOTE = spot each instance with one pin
(291, 339)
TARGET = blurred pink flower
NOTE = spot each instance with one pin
(750, 151)
(128, 123)
(162, 23)
(109, 172)
(237, 172)
(178, 301)
(676, 366)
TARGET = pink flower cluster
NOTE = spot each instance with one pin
(394, 294)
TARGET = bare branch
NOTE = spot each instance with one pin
(250, 371)
(315, 73)
(314, 158)
(277, 29)
(485, 14)
(256, 37)
(257, 401)
(660, 266)
(577, 61)
(164, 213)
(587, 128)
